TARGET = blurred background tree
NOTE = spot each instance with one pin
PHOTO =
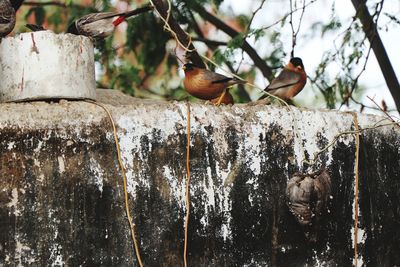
(143, 60)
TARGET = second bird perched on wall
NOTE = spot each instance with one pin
(7, 17)
(206, 84)
(290, 81)
(101, 25)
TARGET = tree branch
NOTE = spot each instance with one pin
(209, 42)
(50, 3)
(371, 31)
(182, 36)
(258, 61)
(248, 31)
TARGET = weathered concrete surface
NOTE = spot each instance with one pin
(46, 65)
(61, 193)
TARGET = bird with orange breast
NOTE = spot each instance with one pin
(208, 85)
(290, 81)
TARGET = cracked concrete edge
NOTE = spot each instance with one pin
(40, 114)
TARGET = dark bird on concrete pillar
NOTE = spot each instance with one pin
(308, 196)
(16, 4)
(290, 81)
(102, 25)
(7, 18)
(207, 85)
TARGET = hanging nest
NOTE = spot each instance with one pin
(308, 196)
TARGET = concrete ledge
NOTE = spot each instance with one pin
(61, 195)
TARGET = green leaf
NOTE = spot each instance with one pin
(237, 41)
(333, 25)
(147, 39)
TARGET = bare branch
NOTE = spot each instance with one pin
(295, 32)
(379, 49)
(210, 42)
(355, 80)
(50, 3)
(258, 61)
(291, 26)
(252, 17)
(385, 112)
(181, 35)
(248, 31)
(286, 15)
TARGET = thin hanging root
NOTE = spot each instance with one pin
(187, 202)
(221, 97)
(357, 137)
(128, 214)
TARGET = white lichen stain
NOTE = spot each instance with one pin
(61, 164)
(253, 182)
(361, 238)
(22, 250)
(98, 172)
(39, 146)
(11, 145)
(13, 204)
(134, 125)
(56, 256)
(70, 143)
(222, 192)
(177, 188)
(252, 146)
(305, 127)
(317, 257)
(36, 162)
(41, 178)
(361, 234)
(207, 185)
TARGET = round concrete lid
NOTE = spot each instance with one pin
(45, 65)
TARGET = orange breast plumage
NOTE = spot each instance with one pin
(200, 86)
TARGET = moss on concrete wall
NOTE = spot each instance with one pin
(61, 194)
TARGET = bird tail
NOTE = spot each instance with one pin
(124, 15)
(34, 27)
(236, 81)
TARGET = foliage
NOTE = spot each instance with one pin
(141, 62)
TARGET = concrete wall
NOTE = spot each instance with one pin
(61, 192)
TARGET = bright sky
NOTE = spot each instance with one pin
(312, 49)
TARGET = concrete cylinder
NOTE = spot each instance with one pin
(45, 65)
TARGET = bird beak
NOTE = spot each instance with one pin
(184, 67)
(299, 67)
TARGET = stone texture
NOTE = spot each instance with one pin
(45, 65)
(61, 193)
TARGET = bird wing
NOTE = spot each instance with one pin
(217, 78)
(285, 78)
(214, 77)
(97, 16)
(223, 80)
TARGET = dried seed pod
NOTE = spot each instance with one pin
(308, 195)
